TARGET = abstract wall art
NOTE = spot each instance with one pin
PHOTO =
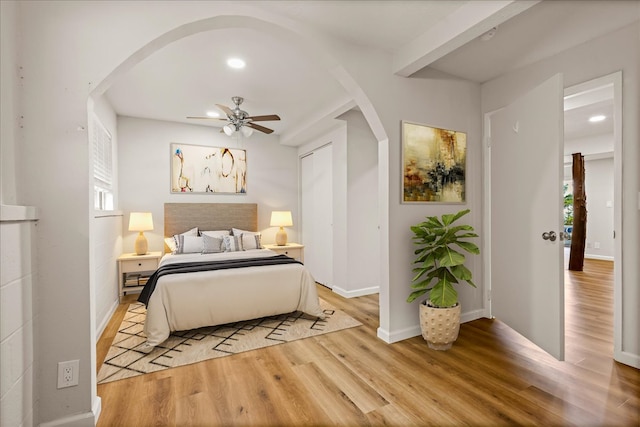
(433, 164)
(202, 169)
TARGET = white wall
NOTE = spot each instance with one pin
(450, 104)
(334, 269)
(9, 72)
(79, 45)
(17, 317)
(356, 235)
(106, 233)
(363, 234)
(599, 57)
(599, 190)
(594, 145)
(18, 230)
(144, 158)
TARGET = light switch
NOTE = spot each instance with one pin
(609, 204)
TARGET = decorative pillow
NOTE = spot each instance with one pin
(232, 243)
(216, 233)
(171, 241)
(212, 245)
(192, 232)
(250, 241)
(238, 232)
(188, 244)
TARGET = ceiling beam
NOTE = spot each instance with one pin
(318, 125)
(465, 24)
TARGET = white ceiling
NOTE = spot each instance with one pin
(189, 76)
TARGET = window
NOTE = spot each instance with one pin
(102, 167)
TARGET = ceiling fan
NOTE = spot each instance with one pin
(240, 121)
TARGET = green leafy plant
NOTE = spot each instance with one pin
(568, 205)
(440, 266)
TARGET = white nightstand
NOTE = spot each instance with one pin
(293, 250)
(134, 270)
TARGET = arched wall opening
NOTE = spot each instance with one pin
(318, 54)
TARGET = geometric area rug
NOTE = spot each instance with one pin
(128, 356)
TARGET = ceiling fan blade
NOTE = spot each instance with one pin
(264, 118)
(206, 118)
(226, 109)
(260, 128)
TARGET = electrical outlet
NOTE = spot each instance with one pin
(68, 373)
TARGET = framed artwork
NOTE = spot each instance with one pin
(433, 164)
(202, 169)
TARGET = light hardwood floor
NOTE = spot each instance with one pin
(491, 376)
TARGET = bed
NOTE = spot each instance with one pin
(248, 284)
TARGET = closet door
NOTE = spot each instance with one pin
(317, 214)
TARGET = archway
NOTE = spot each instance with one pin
(318, 53)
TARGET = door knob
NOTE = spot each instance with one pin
(551, 235)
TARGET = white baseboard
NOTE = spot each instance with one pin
(472, 315)
(629, 359)
(414, 331)
(105, 321)
(403, 334)
(97, 408)
(87, 419)
(600, 257)
(356, 293)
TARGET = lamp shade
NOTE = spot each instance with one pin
(140, 221)
(281, 219)
(229, 129)
(246, 131)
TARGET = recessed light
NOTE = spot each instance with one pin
(213, 114)
(598, 118)
(235, 63)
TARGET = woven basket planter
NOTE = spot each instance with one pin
(440, 326)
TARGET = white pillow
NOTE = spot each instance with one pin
(232, 243)
(188, 244)
(215, 233)
(171, 241)
(192, 232)
(238, 232)
(250, 241)
(212, 245)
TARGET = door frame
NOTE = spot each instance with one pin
(616, 80)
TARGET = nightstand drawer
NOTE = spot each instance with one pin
(291, 253)
(139, 265)
(292, 250)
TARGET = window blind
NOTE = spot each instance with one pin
(102, 156)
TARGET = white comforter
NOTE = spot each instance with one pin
(207, 298)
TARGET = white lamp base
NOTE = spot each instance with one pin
(141, 245)
(281, 237)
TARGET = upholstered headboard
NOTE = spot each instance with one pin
(180, 217)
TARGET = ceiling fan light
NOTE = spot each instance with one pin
(246, 131)
(229, 129)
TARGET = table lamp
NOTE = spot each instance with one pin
(281, 219)
(141, 221)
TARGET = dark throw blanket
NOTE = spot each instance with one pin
(189, 267)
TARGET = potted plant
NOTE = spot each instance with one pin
(440, 265)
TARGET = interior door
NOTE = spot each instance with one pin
(527, 277)
(317, 213)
